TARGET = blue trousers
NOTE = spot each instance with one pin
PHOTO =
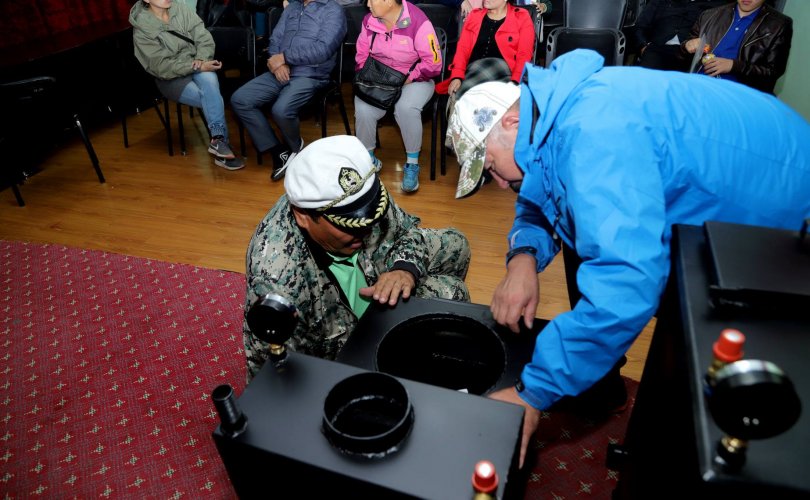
(286, 100)
(203, 92)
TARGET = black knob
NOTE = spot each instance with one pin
(753, 399)
(272, 319)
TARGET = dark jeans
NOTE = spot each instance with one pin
(285, 99)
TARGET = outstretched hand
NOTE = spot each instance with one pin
(390, 286)
(531, 419)
(517, 294)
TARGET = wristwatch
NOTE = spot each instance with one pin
(520, 250)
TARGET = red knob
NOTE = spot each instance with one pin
(484, 478)
(729, 346)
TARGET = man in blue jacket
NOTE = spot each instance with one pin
(605, 161)
(303, 48)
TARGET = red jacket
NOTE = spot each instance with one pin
(515, 39)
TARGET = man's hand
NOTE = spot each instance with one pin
(196, 64)
(390, 286)
(282, 74)
(718, 66)
(531, 419)
(276, 61)
(455, 84)
(692, 45)
(517, 294)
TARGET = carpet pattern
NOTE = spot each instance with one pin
(107, 363)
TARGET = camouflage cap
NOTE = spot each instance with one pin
(335, 176)
(474, 115)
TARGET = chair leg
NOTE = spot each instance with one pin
(124, 128)
(89, 146)
(205, 122)
(167, 124)
(323, 116)
(180, 130)
(343, 113)
(242, 147)
(433, 132)
(17, 194)
(443, 137)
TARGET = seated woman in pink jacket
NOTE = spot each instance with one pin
(402, 36)
(495, 43)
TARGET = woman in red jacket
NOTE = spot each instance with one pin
(500, 33)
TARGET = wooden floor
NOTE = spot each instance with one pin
(186, 209)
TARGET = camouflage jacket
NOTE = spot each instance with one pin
(281, 259)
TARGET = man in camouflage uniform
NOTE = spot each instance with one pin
(335, 242)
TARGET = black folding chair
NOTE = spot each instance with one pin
(610, 43)
(594, 13)
(36, 116)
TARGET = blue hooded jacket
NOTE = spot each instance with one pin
(616, 157)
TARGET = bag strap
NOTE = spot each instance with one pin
(182, 37)
(373, 36)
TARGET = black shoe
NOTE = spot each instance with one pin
(280, 163)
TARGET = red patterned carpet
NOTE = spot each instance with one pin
(107, 363)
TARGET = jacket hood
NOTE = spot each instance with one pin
(142, 19)
(549, 91)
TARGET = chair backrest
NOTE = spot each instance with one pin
(444, 17)
(273, 15)
(537, 21)
(441, 35)
(610, 43)
(594, 13)
(354, 21)
(236, 49)
(634, 8)
(34, 116)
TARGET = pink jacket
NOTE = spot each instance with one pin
(412, 39)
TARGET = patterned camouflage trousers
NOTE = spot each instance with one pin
(449, 254)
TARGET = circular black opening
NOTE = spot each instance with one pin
(448, 351)
(368, 414)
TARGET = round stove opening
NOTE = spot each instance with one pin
(367, 415)
(448, 351)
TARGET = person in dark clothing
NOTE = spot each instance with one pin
(748, 43)
(661, 28)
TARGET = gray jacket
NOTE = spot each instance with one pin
(162, 54)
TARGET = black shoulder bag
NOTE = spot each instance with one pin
(378, 84)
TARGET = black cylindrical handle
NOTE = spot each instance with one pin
(233, 421)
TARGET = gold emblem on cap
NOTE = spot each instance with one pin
(350, 182)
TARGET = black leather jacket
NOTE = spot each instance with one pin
(765, 47)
